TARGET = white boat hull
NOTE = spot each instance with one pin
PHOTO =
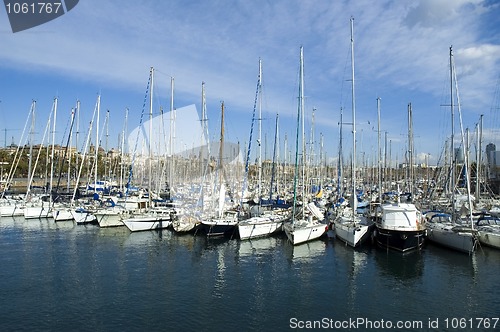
(109, 218)
(353, 234)
(37, 212)
(62, 214)
(491, 239)
(11, 210)
(447, 235)
(146, 223)
(260, 226)
(83, 216)
(302, 232)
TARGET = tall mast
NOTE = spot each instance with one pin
(172, 133)
(221, 145)
(299, 115)
(77, 135)
(32, 129)
(410, 149)
(107, 163)
(97, 142)
(354, 198)
(340, 161)
(122, 148)
(53, 148)
(379, 153)
(453, 155)
(259, 165)
(275, 150)
(150, 157)
(68, 148)
(478, 157)
(202, 141)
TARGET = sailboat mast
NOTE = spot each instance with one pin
(202, 141)
(107, 163)
(379, 152)
(172, 133)
(221, 145)
(32, 129)
(453, 155)
(53, 148)
(260, 133)
(410, 149)
(478, 160)
(354, 197)
(68, 148)
(465, 146)
(340, 161)
(122, 148)
(150, 157)
(299, 114)
(77, 136)
(275, 150)
(97, 141)
(302, 114)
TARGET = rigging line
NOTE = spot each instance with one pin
(127, 186)
(245, 179)
(20, 146)
(495, 105)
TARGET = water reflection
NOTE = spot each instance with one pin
(401, 267)
(304, 252)
(148, 238)
(258, 247)
(454, 262)
(220, 280)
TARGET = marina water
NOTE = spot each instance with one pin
(63, 277)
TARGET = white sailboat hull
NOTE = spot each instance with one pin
(301, 232)
(146, 223)
(489, 238)
(260, 226)
(62, 214)
(110, 218)
(82, 216)
(449, 236)
(11, 210)
(35, 212)
(352, 233)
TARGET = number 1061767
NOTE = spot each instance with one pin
(471, 323)
(33, 8)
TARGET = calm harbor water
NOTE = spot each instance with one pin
(62, 277)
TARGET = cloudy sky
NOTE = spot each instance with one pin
(401, 55)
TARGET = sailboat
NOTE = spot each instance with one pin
(41, 207)
(189, 220)
(14, 205)
(445, 228)
(306, 223)
(225, 220)
(268, 220)
(350, 227)
(488, 228)
(64, 211)
(155, 217)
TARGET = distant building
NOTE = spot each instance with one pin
(490, 149)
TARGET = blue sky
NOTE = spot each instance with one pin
(401, 56)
